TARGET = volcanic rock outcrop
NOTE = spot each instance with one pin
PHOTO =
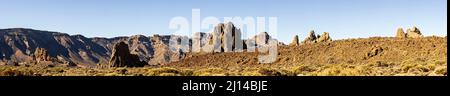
(410, 33)
(312, 38)
(228, 36)
(28, 45)
(400, 33)
(294, 41)
(375, 50)
(40, 54)
(413, 33)
(224, 38)
(121, 57)
(325, 37)
(261, 38)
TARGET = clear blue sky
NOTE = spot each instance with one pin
(341, 18)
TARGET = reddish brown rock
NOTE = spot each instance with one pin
(40, 54)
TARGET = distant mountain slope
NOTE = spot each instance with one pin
(19, 45)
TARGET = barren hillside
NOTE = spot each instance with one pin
(389, 56)
(353, 57)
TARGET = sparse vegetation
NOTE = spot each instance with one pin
(399, 57)
(426, 68)
(163, 71)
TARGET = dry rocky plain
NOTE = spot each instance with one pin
(374, 56)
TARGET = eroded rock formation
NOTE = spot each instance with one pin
(294, 41)
(325, 37)
(410, 33)
(414, 33)
(121, 57)
(40, 54)
(228, 36)
(400, 33)
(312, 38)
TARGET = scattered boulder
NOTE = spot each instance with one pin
(121, 57)
(281, 44)
(121, 71)
(294, 41)
(262, 38)
(167, 48)
(69, 64)
(261, 42)
(12, 63)
(410, 33)
(376, 50)
(400, 33)
(414, 33)
(312, 38)
(325, 37)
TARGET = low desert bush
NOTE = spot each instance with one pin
(8, 71)
(303, 70)
(275, 72)
(162, 71)
(210, 72)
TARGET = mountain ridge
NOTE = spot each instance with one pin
(20, 45)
